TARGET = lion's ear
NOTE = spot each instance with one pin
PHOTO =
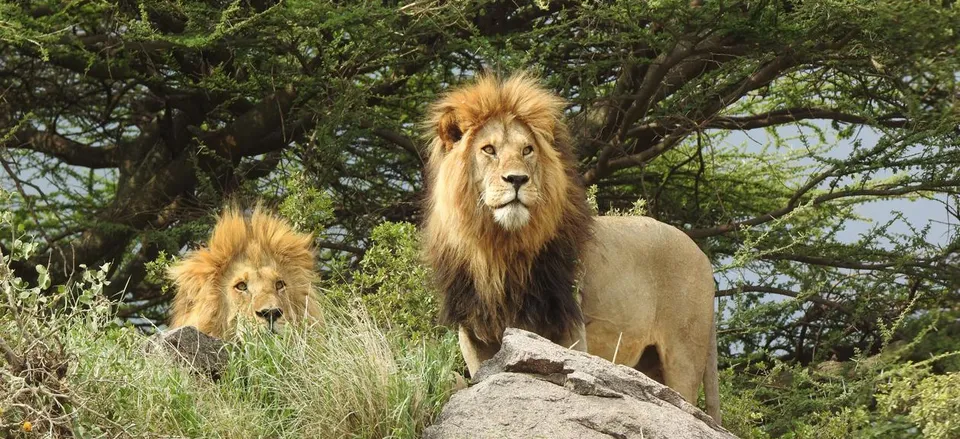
(449, 130)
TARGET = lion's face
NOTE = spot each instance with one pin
(256, 269)
(261, 293)
(499, 158)
(505, 213)
(505, 157)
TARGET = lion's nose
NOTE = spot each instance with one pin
(516, 180)
(270, 314)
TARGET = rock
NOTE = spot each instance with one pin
(205, 354)
(534, 388)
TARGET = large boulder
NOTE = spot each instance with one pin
(534, 388)
(205, 354)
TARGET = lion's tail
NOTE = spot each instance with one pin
(711, 377)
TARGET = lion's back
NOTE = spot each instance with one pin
(643, 243)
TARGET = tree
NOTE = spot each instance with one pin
(125, 123)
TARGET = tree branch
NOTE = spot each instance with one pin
(652, 81)
(26, 198)
(69, 151)
(83, 66)
(242, 137)
(794, 203)
(788, 115)
(260, 168)
(127, 311)
(778, 291)
(12, 358)
(606, 165)
(341, 247)
(399, 140)
(592, 175)
(826, 262)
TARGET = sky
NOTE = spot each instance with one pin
(916, 213)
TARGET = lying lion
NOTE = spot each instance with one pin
(508, 232)
(256, 267)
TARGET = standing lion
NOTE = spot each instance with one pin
(508, 231)
(255, 267)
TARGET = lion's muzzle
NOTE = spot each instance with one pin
(517, 180)
(271, 316)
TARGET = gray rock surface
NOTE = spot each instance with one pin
(533, 388)
(207, 355)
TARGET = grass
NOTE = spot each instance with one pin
(74, 371)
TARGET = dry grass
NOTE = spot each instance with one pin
(74, 372)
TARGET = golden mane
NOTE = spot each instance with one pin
(492, 277)
(201, 299)
(647, 290)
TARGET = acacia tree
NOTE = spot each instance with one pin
(125, 123)
(127, 119)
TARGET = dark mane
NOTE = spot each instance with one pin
(539, 283)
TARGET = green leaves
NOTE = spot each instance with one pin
(797, 142)
(306, 206)
(928, 401)
(23, 250)
(43, 277)
(393, 283)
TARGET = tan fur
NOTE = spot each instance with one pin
(259, 251)
(644, 283)
(515, 104)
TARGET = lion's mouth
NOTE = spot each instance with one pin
(510, 203)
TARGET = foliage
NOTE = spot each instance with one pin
(305, 206)
(74, 371)
(157, 272)
(393, 284)
(796, 142)
(925, 400)
(875, 396)
(742, 411)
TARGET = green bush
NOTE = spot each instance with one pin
(742, 412)
(394, 285)
(69, 369)
(868, 397)
(931, 402)
(381, 367)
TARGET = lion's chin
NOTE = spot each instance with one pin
(246, 327)
(512, 216)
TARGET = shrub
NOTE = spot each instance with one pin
(931, 402)
(394, 285)
(70, 369)
(879, 396)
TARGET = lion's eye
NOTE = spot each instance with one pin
(489, 149)
(528, 150)
(280, 285)
(241, 286)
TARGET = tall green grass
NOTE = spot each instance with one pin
(346, 379)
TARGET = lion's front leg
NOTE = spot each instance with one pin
(474, 352)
